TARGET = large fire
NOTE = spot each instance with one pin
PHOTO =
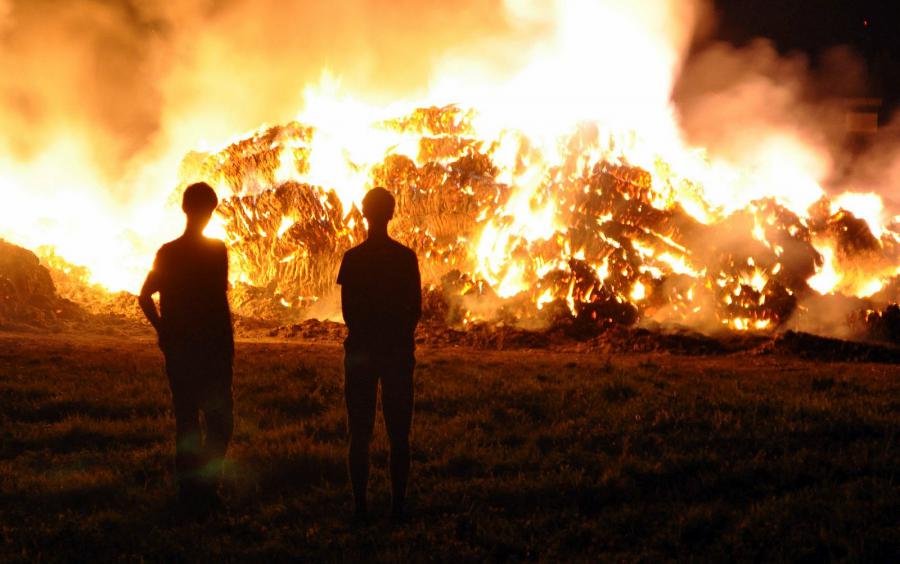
(566, 188)
(506, 229)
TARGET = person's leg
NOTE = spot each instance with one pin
(218, 407)
(397, 403)
(360, 390)
(187, 427)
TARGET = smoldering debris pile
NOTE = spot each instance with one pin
(615, 339)
(28, 296)
(824, 349)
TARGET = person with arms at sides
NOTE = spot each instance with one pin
(381, 299)
(196, 337)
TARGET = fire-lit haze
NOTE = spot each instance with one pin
(108, 108)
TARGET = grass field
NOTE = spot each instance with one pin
(517, 456)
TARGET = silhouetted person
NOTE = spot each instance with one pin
(195, 335)
(381, 298)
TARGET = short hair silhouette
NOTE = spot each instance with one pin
(381, 300)
(196, 336)
(199, 198)
(378, 205)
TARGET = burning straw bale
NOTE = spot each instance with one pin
(249, 164)
(447, 120)
(288, 241)
(637, 232)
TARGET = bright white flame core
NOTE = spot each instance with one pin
(869, 207)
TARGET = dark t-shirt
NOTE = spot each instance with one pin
(381, 296)
(192, 277)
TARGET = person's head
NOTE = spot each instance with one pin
(378, 207)
(199, 202)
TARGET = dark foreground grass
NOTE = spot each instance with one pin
(517, 456)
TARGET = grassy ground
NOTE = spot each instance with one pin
(517, 456)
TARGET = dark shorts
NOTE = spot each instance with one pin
(200, 380)
(362, 372)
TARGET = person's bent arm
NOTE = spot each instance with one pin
(350, 306)
(145, 300)
(414, 296)
(350, 296)
(222, 274)
(417, 297)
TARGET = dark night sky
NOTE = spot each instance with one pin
(870, 27)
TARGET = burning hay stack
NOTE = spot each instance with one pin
(594, 239)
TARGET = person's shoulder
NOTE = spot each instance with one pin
(168, 254)
(349, 265)
(350, 258)
(216, 245)
(403, 250)
(353, 252)
(167, 249)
